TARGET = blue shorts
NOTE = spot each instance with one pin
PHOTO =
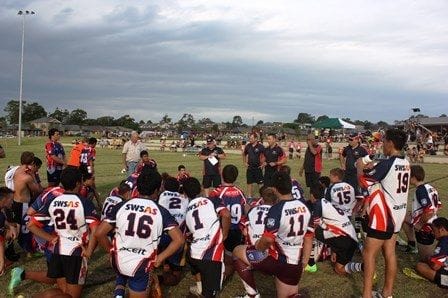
(137, 283)
(54, 177)
(174, 260)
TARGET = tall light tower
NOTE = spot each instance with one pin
(23, 14)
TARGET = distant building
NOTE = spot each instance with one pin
(44, 124)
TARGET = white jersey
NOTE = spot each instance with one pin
(333, 221)
(70, 215)
(342, 196)
(426, 199)
(109, 204)
(203, 222)
(139, 224)
(255, 222)
(388, 186)
(176, 204)
(287, 222)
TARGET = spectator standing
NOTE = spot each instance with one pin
(312, 163)
(55, 157)
(131, 153)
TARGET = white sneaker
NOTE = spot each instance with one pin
(194, 290)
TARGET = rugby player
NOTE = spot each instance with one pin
(209, 224)
(388, 184)
(284, 246)
(138, 224)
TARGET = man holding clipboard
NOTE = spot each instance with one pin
(211, 155)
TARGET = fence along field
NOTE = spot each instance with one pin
(324, 283)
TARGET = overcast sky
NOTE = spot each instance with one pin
(265, 60)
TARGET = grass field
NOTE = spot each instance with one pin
(324, 283)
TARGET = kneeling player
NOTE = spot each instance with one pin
(279, 250)
(176, 204)
(207, 247)
(436, 269)
(335, 229)
(424, 210)
(139, 224)
(72, 216)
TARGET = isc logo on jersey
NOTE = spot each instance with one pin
(139, 208)
(69, 204)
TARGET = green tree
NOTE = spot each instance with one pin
(165, 119)
(443, 115)
(105, 121)
(382, 124)
(321, 118)
(12, 111)
(237, 121)
(33, 111)
(77, 117)
(303, 118)
(259, 122)
(127, 121)
(59, 114)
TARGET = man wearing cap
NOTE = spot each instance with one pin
(211, 155)
(131, 153)
(348, 158)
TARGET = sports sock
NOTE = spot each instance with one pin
(119, 292)
(199, 286)
(353, 267)
(246, 276)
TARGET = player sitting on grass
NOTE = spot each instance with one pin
(253, 224)
(333, 227)
(425, 204)
(341, 194)
(435, 268)
(176, 204)
(6, 199)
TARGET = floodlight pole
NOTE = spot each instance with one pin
(23, 14)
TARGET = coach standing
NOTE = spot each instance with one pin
(211, 155)
(131, 153)
(275, 157)
(253, 158)
(348, 159)
(312, 163)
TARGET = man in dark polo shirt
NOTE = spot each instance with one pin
(211, 155)
(312, 163)
(253, 158)
(275, 157)
(348, 159)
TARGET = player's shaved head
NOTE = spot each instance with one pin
(229, 173)
(171, 184)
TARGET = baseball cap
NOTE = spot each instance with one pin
(210, 139)
(353, 136)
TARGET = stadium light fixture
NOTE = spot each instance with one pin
(23, 14)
